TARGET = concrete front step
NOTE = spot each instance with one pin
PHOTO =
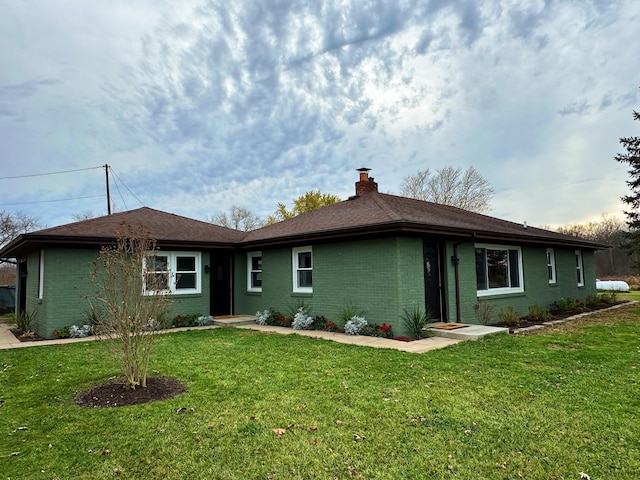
(234, 320)
(465, 331)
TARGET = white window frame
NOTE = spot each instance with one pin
(551, 266)
(41, 275)
(172, 264)
(296, 268)
(502, 290)
(579, 268)
(250, 271)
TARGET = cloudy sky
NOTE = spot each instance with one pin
(200, 105)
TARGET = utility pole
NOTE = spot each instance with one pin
(106, 172)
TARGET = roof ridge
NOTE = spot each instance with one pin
(380, 201)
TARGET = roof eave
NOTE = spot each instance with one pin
(417, 228)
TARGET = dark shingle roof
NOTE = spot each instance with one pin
(168, 229)
(370, 213)
(379, 213)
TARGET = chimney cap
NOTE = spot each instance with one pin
(363, 169)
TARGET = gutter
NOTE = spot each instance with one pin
(455, 261)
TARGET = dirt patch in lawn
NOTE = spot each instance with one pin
(115, 394)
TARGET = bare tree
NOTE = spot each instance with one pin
(239, 219)
(450, 186)
(84, 215)
(13, 224)
(609, 230)
(130, 305)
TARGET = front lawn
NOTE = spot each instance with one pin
(558, 405)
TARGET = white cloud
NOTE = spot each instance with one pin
(204, 105)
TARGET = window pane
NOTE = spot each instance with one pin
(185, 280)
(157, 264)
(305, 278)
(256, 263)
(497, 268)
(481, 268)
(256, 279)
(155, 282)
(304, 260)
(186, 264)
(514, 268)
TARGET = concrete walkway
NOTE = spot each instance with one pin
(8, 340)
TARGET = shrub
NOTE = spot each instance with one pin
(416, 320)
(321, 323)
(24, 321)
(509, 317)
(81, 331)
(538, 314)
(186, 320)
(355, 325)
(375, 330)
(272, 317)
(349, 312)
(294, 307)
(302, 321)
(262, 317)
(609, 297)
(484, 311)
(204, 321)
(63, 332)
(565, 305)
(594, 301)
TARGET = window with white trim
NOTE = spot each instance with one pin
(551, 265)
(254, 271)
(302, 269)
(579, 269)
(498, 269)
(177, 273)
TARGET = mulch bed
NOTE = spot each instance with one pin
(26, 337)
(114, 393)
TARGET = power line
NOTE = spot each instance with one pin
(51, 173)
(125, 186)
(50, 201)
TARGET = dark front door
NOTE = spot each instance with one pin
(433, 279)
(22, 287)
(220, 272)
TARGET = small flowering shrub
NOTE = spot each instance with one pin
(382, 331)
(355, 325)
(73, 331)
(185, 320)
(302, 321)
(321, 323)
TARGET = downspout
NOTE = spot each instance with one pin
(455, 261)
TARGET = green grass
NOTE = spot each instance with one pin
(544, 406)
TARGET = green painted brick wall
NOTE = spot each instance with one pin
(67, 290)
(538, 291)
(378, 276)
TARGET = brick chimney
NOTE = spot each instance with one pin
(366, 183)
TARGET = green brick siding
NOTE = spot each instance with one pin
(537, 290)
(378, 276)
(68, 290)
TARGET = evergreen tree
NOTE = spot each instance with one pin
(632, 158)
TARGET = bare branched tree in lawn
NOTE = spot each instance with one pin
(450, 186)
(131, 282)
